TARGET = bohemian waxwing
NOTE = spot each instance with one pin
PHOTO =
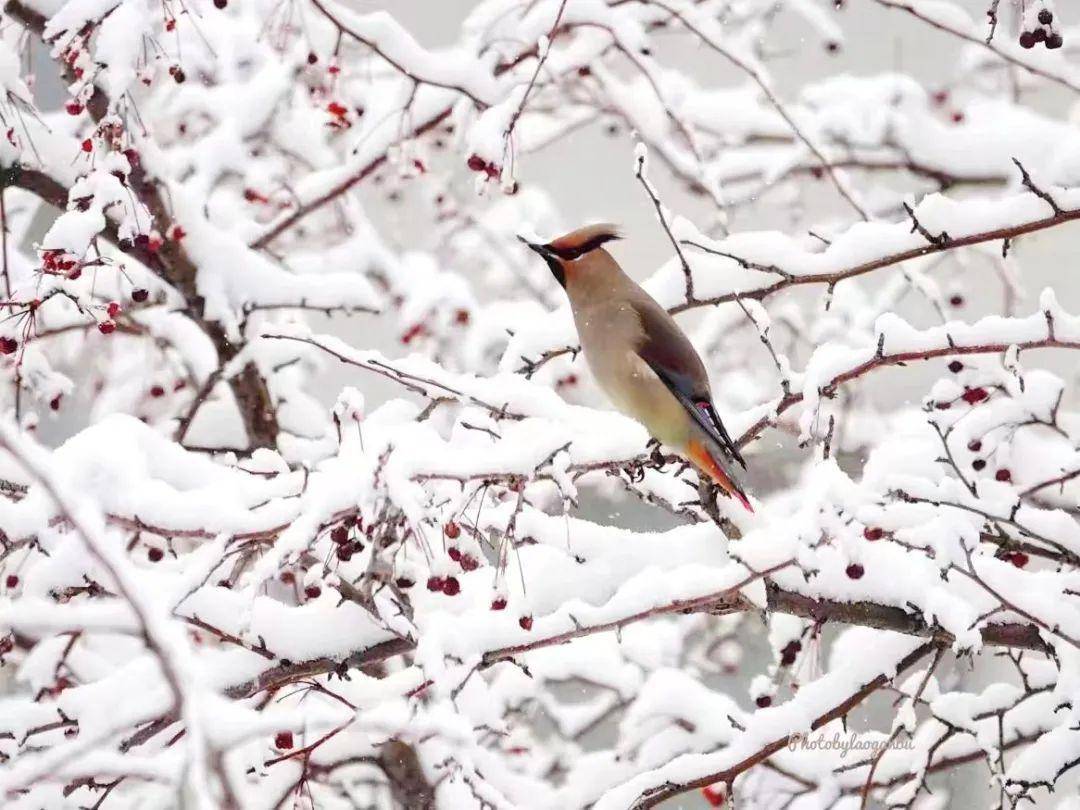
(640, 356)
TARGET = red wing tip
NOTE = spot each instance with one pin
(744, 501)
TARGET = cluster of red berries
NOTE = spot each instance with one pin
(346, 547)
(1043, 32)
(479, 165)
(59, 263)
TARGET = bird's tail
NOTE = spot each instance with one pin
(706, 461)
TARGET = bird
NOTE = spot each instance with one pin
(640, 356)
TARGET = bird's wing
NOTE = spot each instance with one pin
(669, 353)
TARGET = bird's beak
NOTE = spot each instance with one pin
(552, 261)
(541, 249)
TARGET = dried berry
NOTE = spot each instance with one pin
(790, 652)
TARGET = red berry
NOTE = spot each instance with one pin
(854, 571)
(763, 701)
(337, 110)
(1027, 40)
(345, 552)
(404, 582)
(943, 406)
(476, 163)
(339, 534)
(469, 563)
(155, 554)
(956, 366)
(113, 309)
(312, 58)
(940, 97)
(452, 530)
(1054, 41)
(978, 463)
(873, 533)
(461, 317)
(975, 445)
(178, 74)
(54, 403)
(12, 580)
(8, 345)
(312, 591)
(157, 391)
(526, 622)
(283, 740)
(1046, 16)
(974, 395)
(106, 327)
(498, 603)
(73, 108)
(714, 795)
(1017, 558)
(1003, 475)
(435, 583)
(288, 577)
(454, 553)
(220, 3)
(957, 118)
(451, 586)
(88, 145)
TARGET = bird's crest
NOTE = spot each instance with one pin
(577, 243)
